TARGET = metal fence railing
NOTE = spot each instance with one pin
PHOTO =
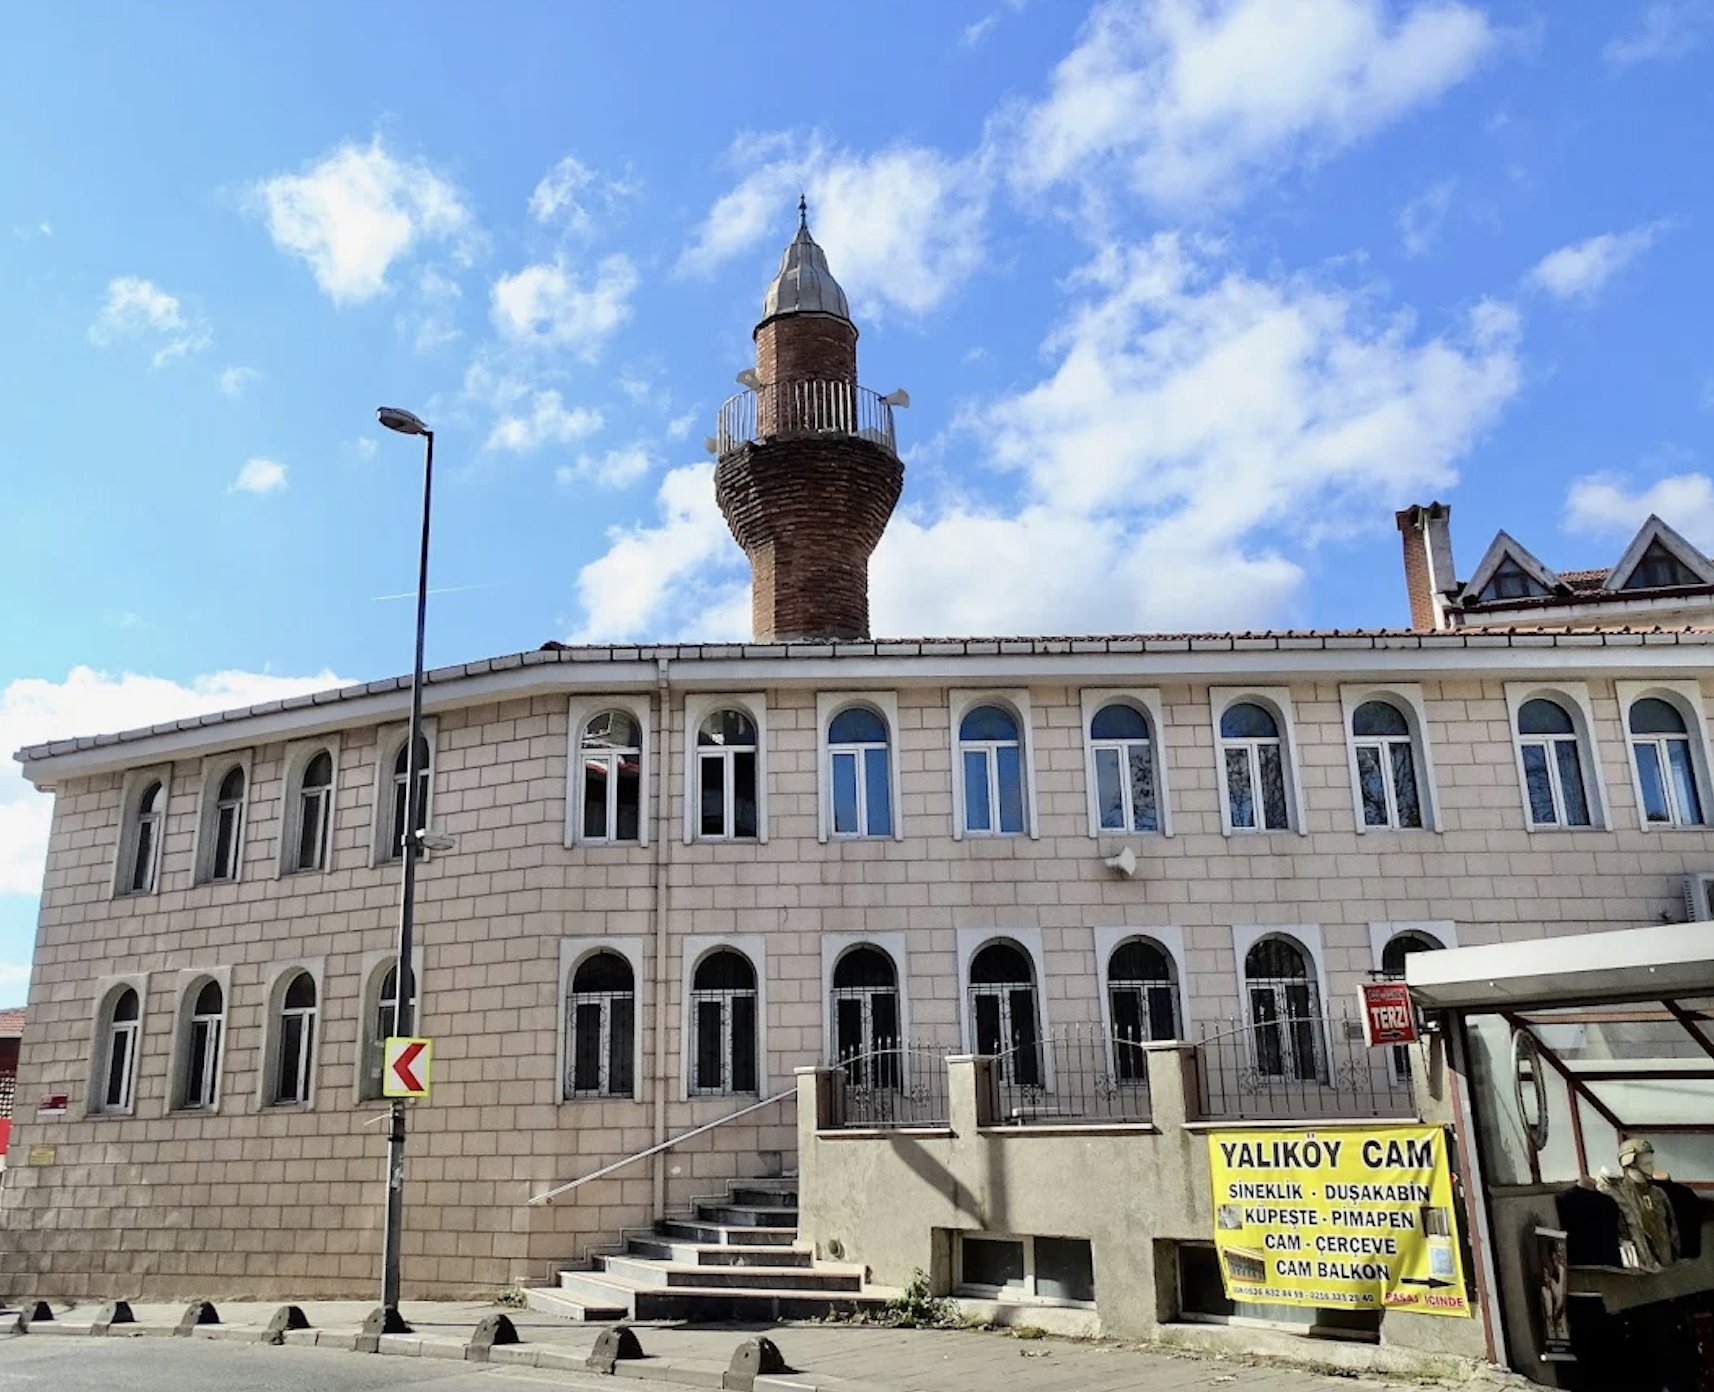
(1076, 1074)
(1297, 1069)
(900, 1083)
(804, 408)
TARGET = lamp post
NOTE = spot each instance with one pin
(405, 990)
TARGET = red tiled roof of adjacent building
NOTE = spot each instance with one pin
(12, 1023)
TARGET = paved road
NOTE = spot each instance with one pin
(37, 1363)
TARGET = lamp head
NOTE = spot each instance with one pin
(395, 418)
(748, 378)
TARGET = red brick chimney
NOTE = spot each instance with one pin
(808, 470)
(1429, 573)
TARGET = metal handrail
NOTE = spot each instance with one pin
(550, 1195)
(779, 410)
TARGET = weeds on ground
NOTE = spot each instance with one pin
(513, 1298)
(915, 1307)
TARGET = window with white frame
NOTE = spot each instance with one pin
(865, 1010)
(1554, 780)
(203, 1036)
(610, 749)
(1285, 1010)
(295, 1046)
(1059, 1270)
(859, 774)
(1667, 785)
(311, 811)
(726, 770)
(1004, 1012)
(991, 751)
(1122, 758)
(723, 1025)
(398, 804)
(1386, 766)
(600, 1026)
(225, 826)
(117, 1079)
(1142, 999)
(383, 1024)
(140, 859)
(1253, 761)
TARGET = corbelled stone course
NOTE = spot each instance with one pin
(808, 512)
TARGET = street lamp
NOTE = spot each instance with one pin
(406, 424)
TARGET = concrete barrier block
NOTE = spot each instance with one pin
(754, 1358)
(110, 1314)
(286, 1320)
(491, 1331)
(613, 1345)
(378, 1324)
(198, 1312)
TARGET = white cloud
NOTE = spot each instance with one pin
(541, 418)
(1195, 99)
(429, 322)
(902, 227)
(977, 30)
(618, 468)
(34, 710)
(1581, 270)
(1604, 504)
(679, 426)
(364, 447)
(683, 573)
(1419, 221)
(355, 211)
(234, 380)
(1669, 29)
(138, 309)
(1200, 432)
(259, 476)
(566, 190)
(553, 306)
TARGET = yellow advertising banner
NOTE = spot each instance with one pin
(1357, 1218)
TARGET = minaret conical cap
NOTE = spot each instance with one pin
(804, 285)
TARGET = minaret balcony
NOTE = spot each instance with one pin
(799, 408)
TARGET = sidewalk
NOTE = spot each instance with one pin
(824, 1357)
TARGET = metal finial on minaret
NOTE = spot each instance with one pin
(802, 212)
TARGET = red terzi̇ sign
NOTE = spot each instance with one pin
(1387, 1014)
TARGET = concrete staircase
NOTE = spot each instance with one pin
(735, 1258)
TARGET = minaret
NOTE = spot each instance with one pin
(808, 471)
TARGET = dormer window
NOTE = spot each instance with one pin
(1511, 581)
(1659, 569)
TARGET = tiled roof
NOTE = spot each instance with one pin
(1585, 579)
(11, 1023)
(1259, 640)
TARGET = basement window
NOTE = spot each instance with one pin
(1202, 1299)
(1049, 1270)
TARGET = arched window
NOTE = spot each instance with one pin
(865, 1011)
(228, 825)
(296, 1026)
(611, 750)
(383, 1025)
(202, 1058)
(1123, 755)
(146, 839)
(859, 775)
(1393, 955)
(401, 787)
(726, 776)
(1553, 765)
(723, 1024)
(1285, 1009)
(1253, 756)
(601, 1028)
(1142, 996)
(993, 765)
(118, 1077)
(1004, 1010)
(314, 814)
(1386, 766)
(1666, 774)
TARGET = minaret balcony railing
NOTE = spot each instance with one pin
(784, 410)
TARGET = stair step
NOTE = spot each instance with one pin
(783, 1279)
(760, 1196)
(566, 1305)
(707, 1304)
(717, 1254)
(739, 1215)
(727, 1234)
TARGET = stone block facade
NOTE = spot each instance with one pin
(259, 1200)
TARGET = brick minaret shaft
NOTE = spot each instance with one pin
(809, 495)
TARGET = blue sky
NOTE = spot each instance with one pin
(1189, 295)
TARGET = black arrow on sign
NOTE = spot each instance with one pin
(1432, 1282)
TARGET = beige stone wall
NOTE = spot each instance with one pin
(263, 1201)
